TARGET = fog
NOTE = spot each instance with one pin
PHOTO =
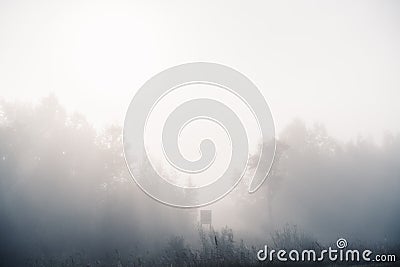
(69, 69)
(65, 191)
(334, 62)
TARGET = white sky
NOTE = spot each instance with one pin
(335, 62)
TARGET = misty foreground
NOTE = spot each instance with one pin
(66, 199)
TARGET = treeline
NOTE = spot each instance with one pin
(66, 196)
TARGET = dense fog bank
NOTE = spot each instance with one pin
(64, 188)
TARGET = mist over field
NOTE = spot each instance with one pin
(329, 72)
(66, 196)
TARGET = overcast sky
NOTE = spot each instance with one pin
(334, 62)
